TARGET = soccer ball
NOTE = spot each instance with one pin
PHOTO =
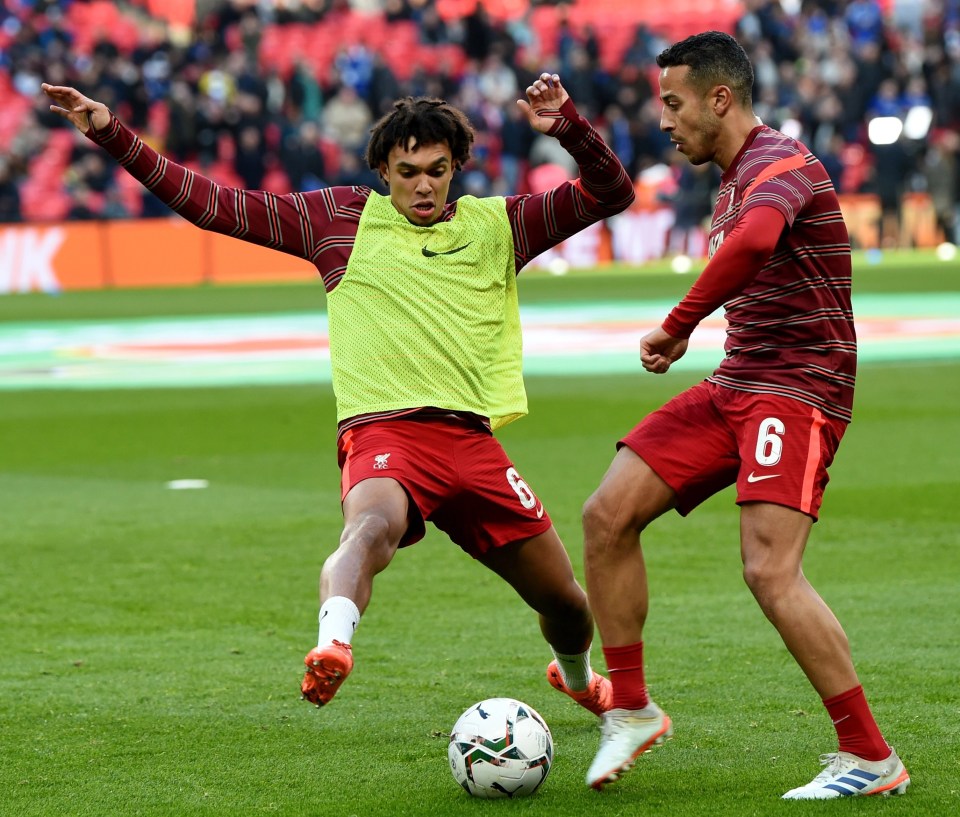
(500, 747)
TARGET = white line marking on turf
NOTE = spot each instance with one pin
(187, 484)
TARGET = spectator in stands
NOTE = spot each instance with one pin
(354, 172)
(84, 204)
(346, 119)
(619, 134)
(123, 82)
(302, 157)
(871, 71)
(303, 92)
(248, 161)
(384, 86)
(945, 89)
(692, 200)
(942, 169)
(644, 47)
(864, 20)
(395, 11)
(516, 139)
(831, 157)
(354, 67)
(9, 195)
(823, 122)
(583, 78)
(91, 171)
(431, 26)
(891, 166)
(478, 34)
(915, 94)
(182, 116)
(886, 102)
(651, 144)
(194, 96)
(497, 82)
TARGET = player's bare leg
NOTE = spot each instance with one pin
(375, 516)
(539, 570)
(773, 539)
(630, 496)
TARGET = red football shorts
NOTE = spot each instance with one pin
(773, 448)
(456, 475)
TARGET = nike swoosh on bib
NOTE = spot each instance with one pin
(431, 254)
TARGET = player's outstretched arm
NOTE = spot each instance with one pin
(542, 220)
(81, 111)
(275, 221)
(543, 102)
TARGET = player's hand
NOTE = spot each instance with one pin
(658, 350)
(80, 111)
(544, 99)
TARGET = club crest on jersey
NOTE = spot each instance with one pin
(715, 242)
(380, 461)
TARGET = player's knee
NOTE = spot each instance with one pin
(571, 612)
(604, 520)
(369, 530)
(595, 516)
(369, 538)
(571, 608)
(768, 581)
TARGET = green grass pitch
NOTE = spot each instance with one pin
(152, 640)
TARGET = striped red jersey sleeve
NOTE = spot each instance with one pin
(319, 226)
(734, 265)
(603, 189)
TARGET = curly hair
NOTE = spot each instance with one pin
(424, 121)
(714, 58)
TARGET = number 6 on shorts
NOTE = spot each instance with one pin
(769, 444)
(527, 499)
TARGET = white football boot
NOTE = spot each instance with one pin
(846, 775)
(625, 735)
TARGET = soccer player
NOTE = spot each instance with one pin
(768, 420)
(425, 348)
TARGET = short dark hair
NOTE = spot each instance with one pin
(425, 120)
(714, 58)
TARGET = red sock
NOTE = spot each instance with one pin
(856, 729)
(625, 665)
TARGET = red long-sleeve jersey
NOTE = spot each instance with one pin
(784, 279)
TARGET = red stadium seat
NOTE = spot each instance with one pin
(131, 193)
(13, 113)
(40, 202)
(220, 172)
(276, 181)
(331, 156)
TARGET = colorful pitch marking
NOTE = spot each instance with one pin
(568, 339)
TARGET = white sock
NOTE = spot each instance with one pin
(575, 669)
(338, 619)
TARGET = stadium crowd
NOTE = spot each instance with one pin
(230, 96)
